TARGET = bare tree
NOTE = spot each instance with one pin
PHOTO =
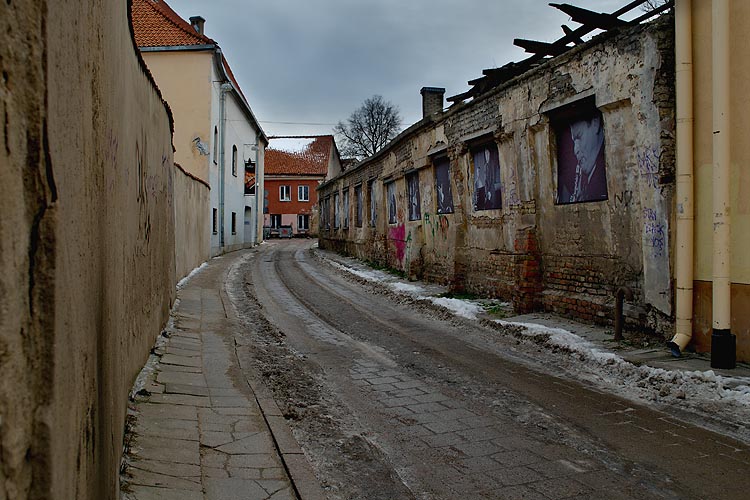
(652, 4)
(368, 128)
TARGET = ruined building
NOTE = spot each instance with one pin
(549, 183)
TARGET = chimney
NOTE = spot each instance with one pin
(197, 22)
(432, 100)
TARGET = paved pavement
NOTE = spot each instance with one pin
(198, 430)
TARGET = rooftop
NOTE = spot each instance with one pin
(155, 24)
(298, 155)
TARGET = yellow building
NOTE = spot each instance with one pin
(217, 138)
(713, 199)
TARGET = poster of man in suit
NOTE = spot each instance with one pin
(581, 170)
(486, 177)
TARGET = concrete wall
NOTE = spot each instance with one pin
(192, 220)
(567, 258)
(86, 242)
(703, 161)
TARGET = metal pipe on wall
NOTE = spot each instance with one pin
(684, 245)
(225, 87)
(722, 341)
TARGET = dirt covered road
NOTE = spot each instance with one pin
(392, 399)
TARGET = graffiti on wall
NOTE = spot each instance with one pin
(654, 232)
(648, 164)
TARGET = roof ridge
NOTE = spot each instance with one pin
(178, 21)
(162, 9)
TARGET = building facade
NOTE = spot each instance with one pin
(217, 137)
(295, 167)
(552, 189)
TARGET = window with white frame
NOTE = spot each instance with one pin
(303, 193)
(234, 222)
(285, 193)
(216, 145)
(275, 221)
(234, 161)
(303, 222)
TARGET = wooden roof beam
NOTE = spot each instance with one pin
(544, 48)
(589, 17)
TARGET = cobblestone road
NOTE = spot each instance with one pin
(457, 416)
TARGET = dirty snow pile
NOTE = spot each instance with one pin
(701, 391)
(464, 308)
(695, 386)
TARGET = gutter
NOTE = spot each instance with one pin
(684, 245)
(225, 87)
(723, 343)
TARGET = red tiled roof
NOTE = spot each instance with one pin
(156, 25)
(312, 160)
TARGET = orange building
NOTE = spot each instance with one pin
(295, 166)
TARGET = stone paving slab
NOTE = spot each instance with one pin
(197, 430)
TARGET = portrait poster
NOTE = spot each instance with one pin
(336, 211)
(358, 196)
(373, 205)
(391, 192)
(412, 186)
(443, 186)
(486, 177)
(581, 168)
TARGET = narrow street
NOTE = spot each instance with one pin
(389, 400)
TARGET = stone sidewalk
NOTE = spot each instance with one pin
(196, 430)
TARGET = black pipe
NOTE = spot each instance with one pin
(623, 293)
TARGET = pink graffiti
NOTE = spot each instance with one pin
(398, 236)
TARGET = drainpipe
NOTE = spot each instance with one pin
(684, 235)
(225, 87)
(258, 189)
(723, 343)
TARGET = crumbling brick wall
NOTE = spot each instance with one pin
(537, 251)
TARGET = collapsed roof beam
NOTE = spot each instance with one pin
(589, 17)
(569, 33)
(544, 48)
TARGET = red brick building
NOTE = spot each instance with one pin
(294, 167)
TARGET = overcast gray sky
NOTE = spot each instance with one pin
(315, 61)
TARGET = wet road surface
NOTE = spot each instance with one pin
(393, 400)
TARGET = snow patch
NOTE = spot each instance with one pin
(291, 144)
(195, 271)
(672, 384)
(458, 307)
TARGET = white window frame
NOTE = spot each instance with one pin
(303, 189)
(306, 225)
(285, 193)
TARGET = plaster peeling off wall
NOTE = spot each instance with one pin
(87, 264)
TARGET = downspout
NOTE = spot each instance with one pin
(258, 189)
(723, 343)
(225, 87)
(685, 215)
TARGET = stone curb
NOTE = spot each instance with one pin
(301, 474)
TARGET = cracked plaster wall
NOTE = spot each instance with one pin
(87, 257)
